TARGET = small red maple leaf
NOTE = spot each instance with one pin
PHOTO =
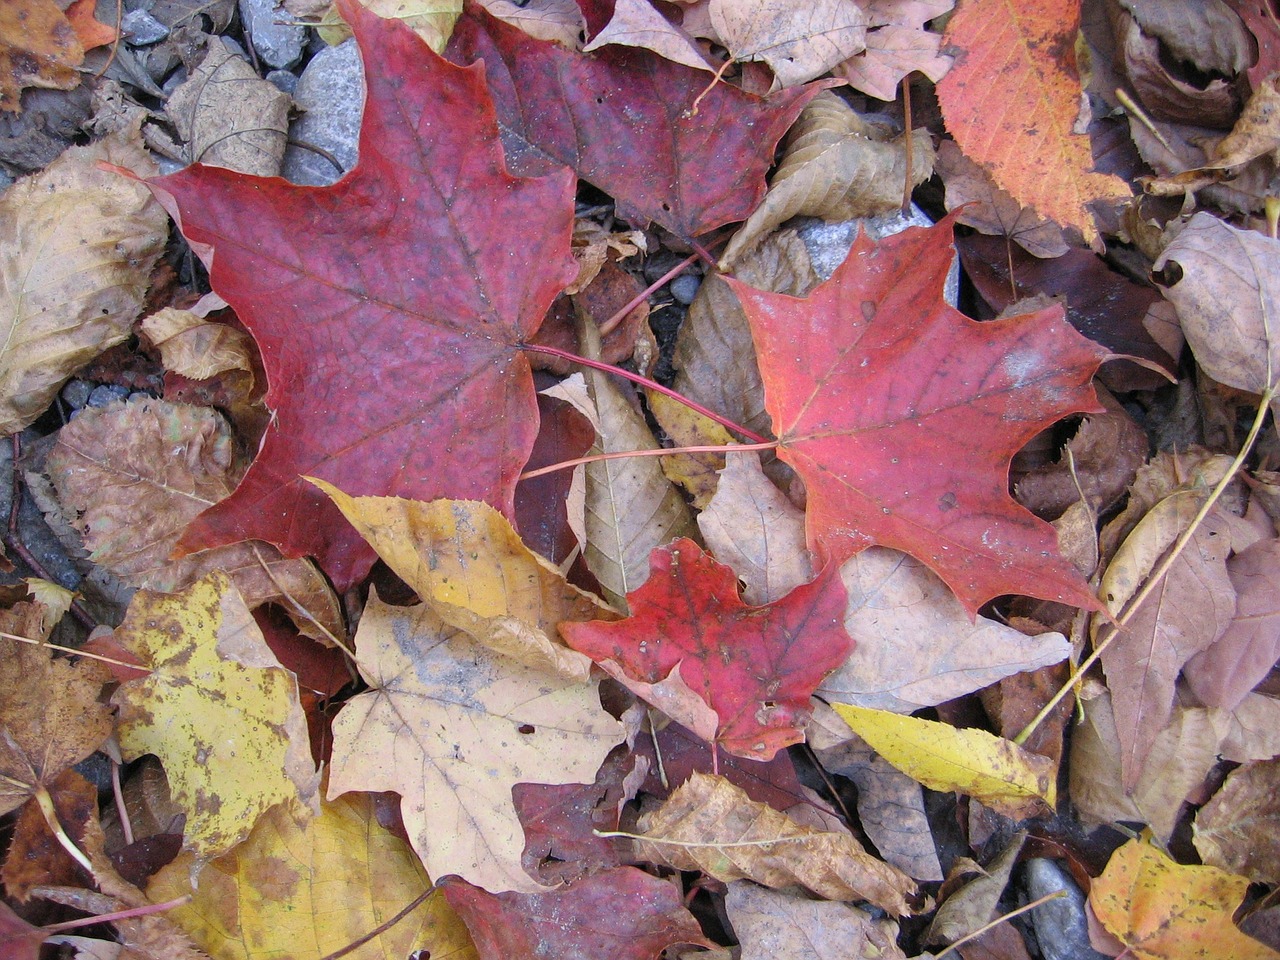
(901, 416)
(389, 307)
(738, 676)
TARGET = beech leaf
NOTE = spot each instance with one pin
(451, 727)
(887, 457)
(690, 636)
(798, 43)
(323, 274)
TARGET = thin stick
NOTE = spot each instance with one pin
(1158, 574)
(662, 452)
(75, 652)
(1001, 919)
(651, 384)
(146, 911)
(381, 929)
(906, 143)
(704, 843)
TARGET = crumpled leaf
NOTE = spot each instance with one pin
(691, 643)
(972, 906)
(451, 727)
(622, 119)
(1161, 910)
(1239, 829)
(876, 386)
(198, 348)
(307, 887)
(79, 243)
(798, 43)
(39, 49)
(897, 44)
(582, 920)
(781, 925)
(709, 824)
(466, 561)
(432, 383)
(218, 710)
(836, 166)
(1021, 56)
(972, 762)
(50, 717)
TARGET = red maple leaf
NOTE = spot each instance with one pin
(389, 307)
(738, 676)
(901, 416)
(623, 118)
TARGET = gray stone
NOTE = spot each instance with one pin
(283, 80)
(1060, 925)
(142, 28)
(685, 287)
(277, 44)
(106, 394)
(76, 393)
(330, 95)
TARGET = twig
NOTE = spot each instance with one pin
(382, 928)
(660, 452)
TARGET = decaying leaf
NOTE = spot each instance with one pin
(39, 49)
(558, 20)
(972, 762)
(798, 43)
(782, 925)
(432, 20)
(451, 726)
(973, 905)
(1161, 910)
(218, 710)
(305, 887)
(897, 44)
(79, 243)
(635, 23)
(691, 644)
(195, 347)
(1239, 829)
(466, 561)
(837, 166)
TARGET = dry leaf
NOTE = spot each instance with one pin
(1161, 910)
(432, 20)
(698, 473)
(197, 348)
(556, 20)
(995, 771)
(465, 560)
(1239, 829)
(798, 43)
(836, 166)
(635, 23)
(917, 646)
(39, 49)
(79, 243)
(217, 709)
(709, 824)
(781, 925)
(974, 904)
(451, 727)
(307, 887)
(1253, 731)
(897, 45)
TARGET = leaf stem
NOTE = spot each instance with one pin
(1025, 908)
(611, 324)
(146, 911)
(45, 802)
(1117, 625)
(652, 385)
(75, 652)
(660, 452)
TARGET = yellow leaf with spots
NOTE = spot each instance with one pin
(1162, 910)
(465, 560)
(297, 889)
(988, 768)
(218, 710)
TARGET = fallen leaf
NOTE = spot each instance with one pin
(195, 347)
(796, 45)
(622, 119)
(690, 638)
(918, 646)
(580, 922)
(466, 561)
(780, 925)
(973, 762)
(558, 20)
(635, 23)
(307, 887)
(1190, 608)
(1225, 673)
(972, 906)
(837, 166)
(19, 940)
(217, 709)
(50, 717)
(1161, 910)
(40, 49)
(432, 20)
(1222, 281)
(91, 32)
(475, 723)
(1253, 732)
(897, 45)
(709, 824)
(1020, 55)
(79, 244)
(886, 459)
(432, 384)
(1238, 830)
(697, 473)
(752, 527)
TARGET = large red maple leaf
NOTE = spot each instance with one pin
(901, 416)
(623, 118)
(738, 676)
(389, 307)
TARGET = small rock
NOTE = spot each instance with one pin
(330, 95)
(277, 44)
(76, 394)
(1060, 925)
(685, 287)
(283, 80)
(142, 28)
(106, 394)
